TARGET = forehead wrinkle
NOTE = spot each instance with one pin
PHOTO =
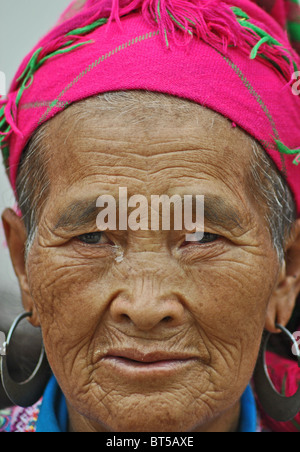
(120, 179)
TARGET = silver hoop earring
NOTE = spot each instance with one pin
(27, 393)
(277, 406)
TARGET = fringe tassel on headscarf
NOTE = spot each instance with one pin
(9, 107)
(212, 21)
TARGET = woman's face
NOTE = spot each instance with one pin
(143, 330)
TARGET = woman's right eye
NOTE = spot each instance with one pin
(208, 237)
(93, 238)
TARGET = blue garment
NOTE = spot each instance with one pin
(248, 416)
(53, 417)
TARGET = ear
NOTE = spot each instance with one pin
(283, 300)
(16, 237)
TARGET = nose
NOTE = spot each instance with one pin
(145, 310)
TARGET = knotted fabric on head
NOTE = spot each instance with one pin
(232, 56)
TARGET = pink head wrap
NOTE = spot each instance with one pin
(230, 56)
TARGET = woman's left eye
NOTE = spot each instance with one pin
(208, 237)
(92, 238)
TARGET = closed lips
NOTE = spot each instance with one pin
(148, 358)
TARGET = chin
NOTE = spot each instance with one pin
(151, 416)
(164, 422)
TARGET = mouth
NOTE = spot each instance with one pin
(133, 362)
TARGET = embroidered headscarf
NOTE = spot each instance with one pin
(231, 56)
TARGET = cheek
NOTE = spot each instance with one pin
(226, 298)
(70, 296)
(230, 308)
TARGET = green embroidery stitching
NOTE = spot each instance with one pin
(244, 20)
(43, 104)
(93, 66)
(88, 28)
(258, 98)
(252, 91)
(240, 13)
(60, 104)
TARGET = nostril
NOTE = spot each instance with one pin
(146, 311)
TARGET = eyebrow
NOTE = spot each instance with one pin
(220, 212)
(78, 214)
(82, 213)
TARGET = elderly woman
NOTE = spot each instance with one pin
(144, 329)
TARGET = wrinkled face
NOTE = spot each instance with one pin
(143, 330)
